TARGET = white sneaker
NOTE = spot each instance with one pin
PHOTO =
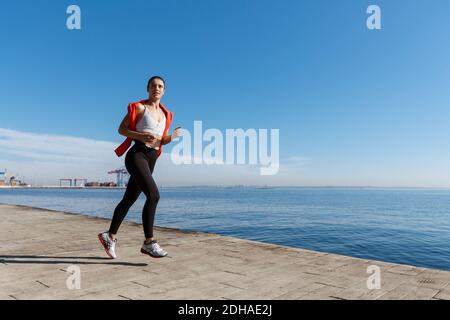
(153, 249)
(108, 244)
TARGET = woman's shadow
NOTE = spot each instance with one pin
(33, 259)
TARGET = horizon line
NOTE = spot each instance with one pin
(240, 186)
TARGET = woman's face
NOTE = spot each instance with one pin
(156, 89)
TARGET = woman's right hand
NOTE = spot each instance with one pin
(148, 138)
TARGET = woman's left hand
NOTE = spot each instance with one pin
(178, 132)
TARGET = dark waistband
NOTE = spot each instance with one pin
(141, 146)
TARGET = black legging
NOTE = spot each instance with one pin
(140, 162)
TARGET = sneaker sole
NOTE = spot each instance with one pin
(104, 245)
(148, 253)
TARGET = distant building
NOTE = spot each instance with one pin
(108, 184)
(100, 184)
(92, 184)
(13, 181)
(3, 177)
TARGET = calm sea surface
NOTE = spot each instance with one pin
(406, 226)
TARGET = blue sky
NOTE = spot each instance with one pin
(357, 107)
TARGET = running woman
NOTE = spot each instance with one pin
(146, 123)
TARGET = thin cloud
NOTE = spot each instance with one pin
(50, 147)
(43, 159)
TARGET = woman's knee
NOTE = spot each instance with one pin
(153, 196)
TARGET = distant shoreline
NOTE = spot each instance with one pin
(234, 187)
(56, 187)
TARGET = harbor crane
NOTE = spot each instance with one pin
(122, 175)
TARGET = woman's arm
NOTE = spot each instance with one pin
(168, 139)
(141, 136)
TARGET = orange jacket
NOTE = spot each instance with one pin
(120, 150)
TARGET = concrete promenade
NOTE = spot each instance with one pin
(37, 246)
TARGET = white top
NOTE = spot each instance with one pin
(150, 125)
